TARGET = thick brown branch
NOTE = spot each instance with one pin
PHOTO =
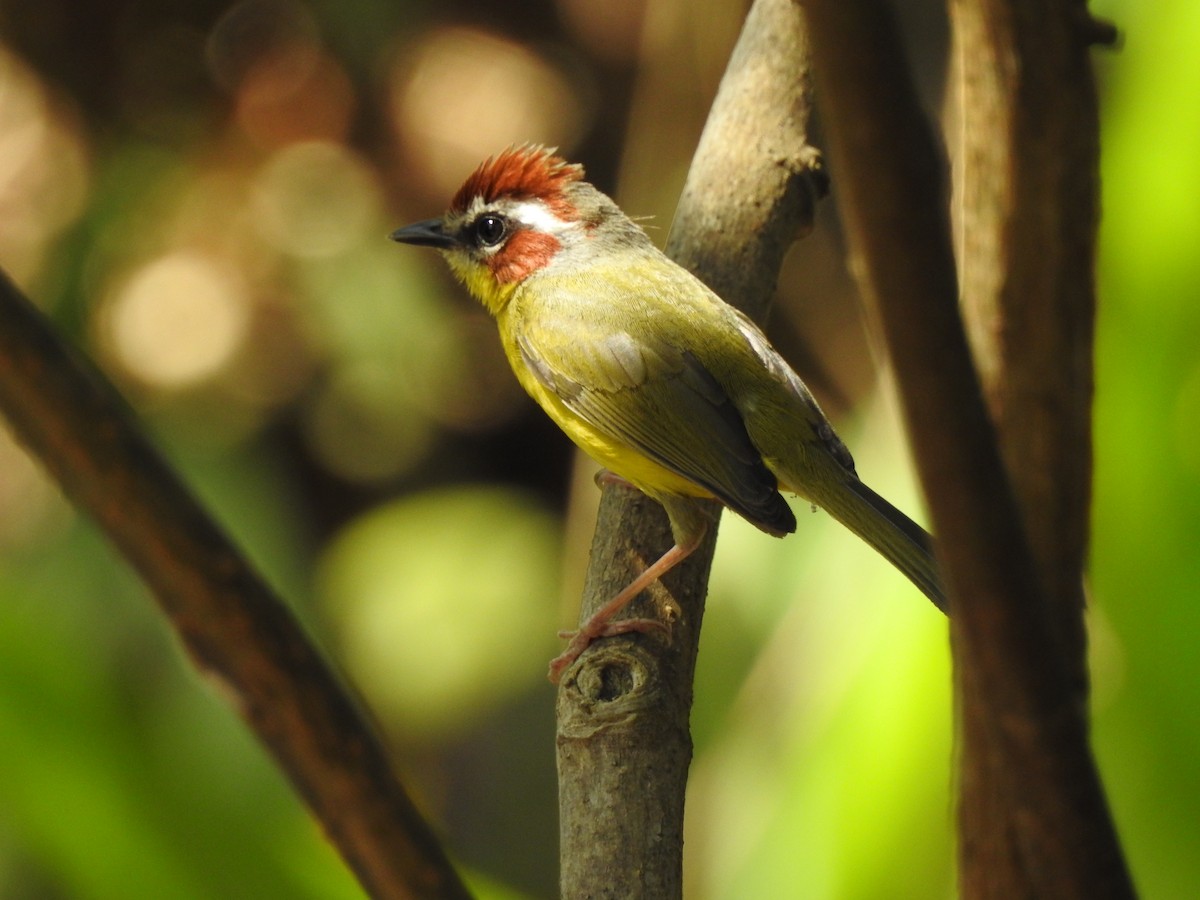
(1027, 160)
(891, 182)
(231, 623)
(1027, 157)
(623, 740)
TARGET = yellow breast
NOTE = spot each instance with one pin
(618, 457)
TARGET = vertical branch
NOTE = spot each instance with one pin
(1027, 158)
(1008, 656)
(623, 740)
(1026, 188)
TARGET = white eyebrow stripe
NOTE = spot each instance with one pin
(539, 218)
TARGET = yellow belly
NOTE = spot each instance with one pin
(645, 474)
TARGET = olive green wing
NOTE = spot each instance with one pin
(659, 399)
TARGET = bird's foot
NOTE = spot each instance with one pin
(580, 640)
(606, 477)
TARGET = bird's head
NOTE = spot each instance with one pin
(522, 212)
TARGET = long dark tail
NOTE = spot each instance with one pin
(900, 540)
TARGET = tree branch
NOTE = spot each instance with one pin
(1027, 159)
(1006, 645)
(233, 626)
(623, 739)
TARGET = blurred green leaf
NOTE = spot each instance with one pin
(1145, 569)
(443, 602)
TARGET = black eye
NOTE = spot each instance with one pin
(490, 229)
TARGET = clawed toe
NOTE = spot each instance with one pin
(580, 640)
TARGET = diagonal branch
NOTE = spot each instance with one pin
(623, 739)
(233, 626)
(1027, 157)
(1005, 635)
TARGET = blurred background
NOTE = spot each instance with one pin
(199, 193)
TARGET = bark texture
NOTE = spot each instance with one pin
(624, 744)
(1026, 187)
(1033, 821)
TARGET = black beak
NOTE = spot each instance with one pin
(425, 234)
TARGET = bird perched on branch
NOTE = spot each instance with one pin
(653, 375)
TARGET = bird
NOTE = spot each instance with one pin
(660, 381)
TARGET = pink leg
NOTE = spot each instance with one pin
(600, 624)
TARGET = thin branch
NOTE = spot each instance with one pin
(892, 183)
(623, 739)
(233, 626)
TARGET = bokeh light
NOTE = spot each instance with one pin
(612, 30)
(43, 169)
(459, 95)
(177, 320)
(286, 87)
(438, 605)
(316, 199)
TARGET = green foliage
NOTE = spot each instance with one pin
(1147, 514)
